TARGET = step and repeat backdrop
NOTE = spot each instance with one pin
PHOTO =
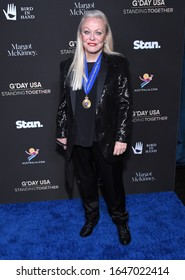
(35, 37)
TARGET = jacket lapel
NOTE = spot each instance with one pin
(73, 99)
(101, 79)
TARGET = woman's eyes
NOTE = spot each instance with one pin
(86, 32)
(99, 33)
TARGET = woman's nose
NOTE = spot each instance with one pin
(92, 36)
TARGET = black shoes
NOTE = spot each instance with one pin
(88, 227)
(123, 233)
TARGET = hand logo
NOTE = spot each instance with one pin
(138, 148)
(11, 13)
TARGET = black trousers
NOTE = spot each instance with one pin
(90, 165)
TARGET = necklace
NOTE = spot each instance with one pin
(90, 79)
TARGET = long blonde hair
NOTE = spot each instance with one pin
(76, 70)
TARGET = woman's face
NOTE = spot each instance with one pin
(93, 32)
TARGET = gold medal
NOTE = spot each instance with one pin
(86, 103)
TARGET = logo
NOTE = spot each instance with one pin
(148, 116)
(70, 49)
(80, 9)
(36, 185)
(145, 80)
(143, 177)
(26, 88)
(32, 153)
(139, 148)
(147, 7)
(21, 50)
(141, 45)
(11, 12)
(31, 124)
(25, 13)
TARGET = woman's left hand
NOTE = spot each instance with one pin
(119, 148)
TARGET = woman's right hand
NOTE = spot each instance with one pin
(63, 142)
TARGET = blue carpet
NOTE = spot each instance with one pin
(50, 230)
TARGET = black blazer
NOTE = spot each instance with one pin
(112, 106)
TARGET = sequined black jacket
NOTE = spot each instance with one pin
(112, 108)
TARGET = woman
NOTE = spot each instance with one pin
(92, 120)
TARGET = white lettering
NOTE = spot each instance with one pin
(26, 8)
(32, 124)
(72, 44)
(35, 85)
(21, 47)
(142, 3)
(44, 182)
(140, 113)
(25, 85)
(154, 112)
(139, 44)
(83, 6)
(29, 183)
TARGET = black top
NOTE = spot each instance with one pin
(85, 118)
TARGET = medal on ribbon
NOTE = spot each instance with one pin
(88, 84)
(86, 103)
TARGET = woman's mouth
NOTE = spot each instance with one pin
(92, 44)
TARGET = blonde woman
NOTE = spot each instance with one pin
(93, 118)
